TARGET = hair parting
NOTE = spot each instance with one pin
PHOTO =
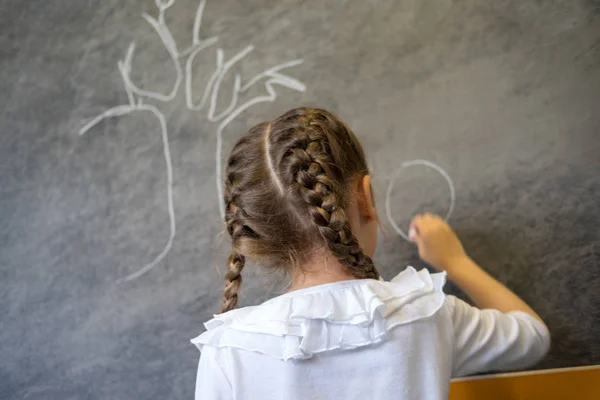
(270, 166)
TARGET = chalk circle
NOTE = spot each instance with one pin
(413, 163)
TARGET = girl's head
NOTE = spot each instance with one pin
(296, 188)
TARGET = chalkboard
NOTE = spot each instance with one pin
(116, 117)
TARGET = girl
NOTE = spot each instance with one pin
(298, 196)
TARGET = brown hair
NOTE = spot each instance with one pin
(288, 182)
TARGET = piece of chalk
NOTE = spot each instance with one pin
(412, 233)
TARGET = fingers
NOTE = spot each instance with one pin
(419, 225)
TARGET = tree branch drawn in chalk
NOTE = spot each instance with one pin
(388, 194)
(136, 100)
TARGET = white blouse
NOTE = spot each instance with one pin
(361, 339)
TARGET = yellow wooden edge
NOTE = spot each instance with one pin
(578, 383)
(525, 373)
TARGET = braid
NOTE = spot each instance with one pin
(309, 161)
(236, 261)
(233, 281)
(236, 229)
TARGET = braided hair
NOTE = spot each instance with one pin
(287, 182)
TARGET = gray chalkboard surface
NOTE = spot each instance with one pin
(115, 116)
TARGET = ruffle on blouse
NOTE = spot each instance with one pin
(347, 315)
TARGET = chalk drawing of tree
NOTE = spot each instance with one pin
(137, 96)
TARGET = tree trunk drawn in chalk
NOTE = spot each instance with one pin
(137, 95)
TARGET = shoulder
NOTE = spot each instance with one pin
(341, 315)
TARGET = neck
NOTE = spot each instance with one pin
(319, 270)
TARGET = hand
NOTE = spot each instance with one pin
(438, 244)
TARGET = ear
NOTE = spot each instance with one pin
(366, 203)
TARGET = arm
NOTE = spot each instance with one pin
(439, 246)
(485, 291)
(507, 334)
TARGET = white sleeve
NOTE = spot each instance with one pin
(211, 382)
(489, 340)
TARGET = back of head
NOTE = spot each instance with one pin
(287, 191)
